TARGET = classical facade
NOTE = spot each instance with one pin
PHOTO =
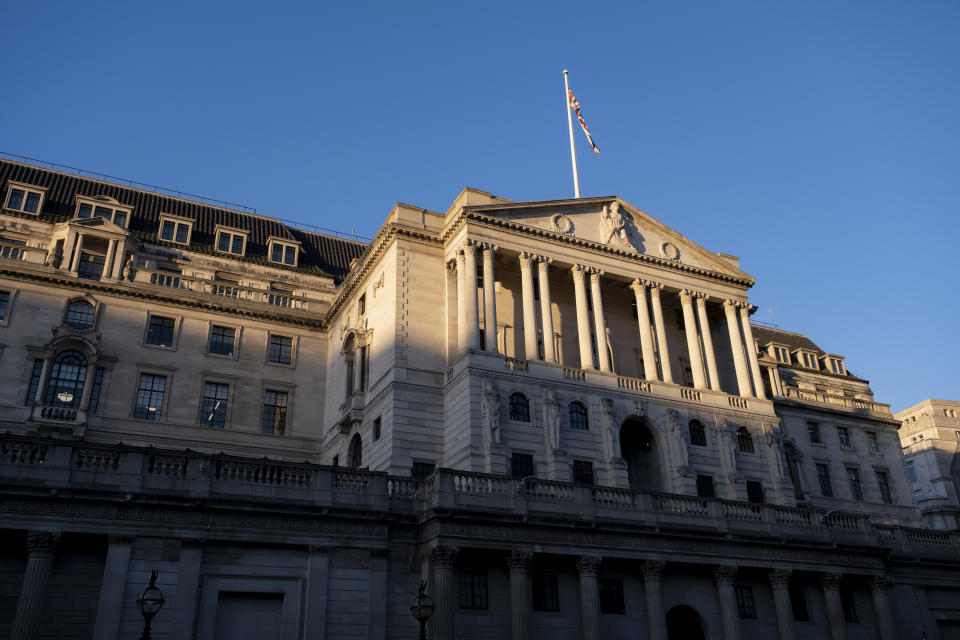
(558, 414)
(930, 435)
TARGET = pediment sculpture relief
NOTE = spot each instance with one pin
(617, 228)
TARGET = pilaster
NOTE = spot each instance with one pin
(724, 577)
(587, 569)
(780, 585)
(520, 594)
(41, 546)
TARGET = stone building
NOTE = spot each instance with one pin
(930, 435)
(557, 413)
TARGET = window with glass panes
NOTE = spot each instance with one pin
(744, 440)
(160, 331)
(844, 435)
(274, 420)
(912, 472)
(150, 396)
(519, 407)
(746, 607)
(853, 475)
(213, 405)
(34, 383)
(754, 491)
(873, 443)
(95, 391)
(80, 315)
(813, 430)
(173, 231)
(546, 596)
(705, 486)
(578, 416)
(583, 471)
(284, 254)
(89, 210)
(698, 434)
(222, 340)
(280, 349)
(22, 199)
(4, 303)
(611, 595)
(823, 475)
(67, 375)
(521, 465)
(91, 265)
(230, 242)
(883, 483)
(421, 470)
(473, 590)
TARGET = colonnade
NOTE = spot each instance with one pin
(591, 321)
(113, 261)
(443, 560)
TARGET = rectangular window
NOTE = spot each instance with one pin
(222, 340)
(150, 397)
(473, 590)
(274, 413)
(583, 471)
(280, 350)
(883, 483)
(276, 255)
(912, 472)
(160, 331)
(213, 406)
(230, 242)
(705, 487)
(611, 595)
(823, 475)
(813, 429)
(4, 303)
(746, 607)
(521, 465)
(174, 231)
(362, 304)
(236, 245)
(755, 491)
(853, 475)
(421, 470)
(34, 383)
(798, 603)
(376, 428)
(91, 265)
(844, 434)
(546, 596)
(873, 443)
(363, 367)
(95, 391)
(24, 200)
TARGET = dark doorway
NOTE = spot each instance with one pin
(639, 448)
(683, 623)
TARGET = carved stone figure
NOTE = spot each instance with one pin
(490, 414)
(728, 448)
(551, 422)
(612, 224)
(129, 269)
(54, 257)
(610, 427)
(775, 453)
(680, 438)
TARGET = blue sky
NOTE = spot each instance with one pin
(818, 141)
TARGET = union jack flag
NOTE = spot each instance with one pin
(576, 107)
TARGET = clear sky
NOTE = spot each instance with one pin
(818, 141)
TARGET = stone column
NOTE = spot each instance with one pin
(489, 299)
(646, 338)
(752, 352)
(780, 584)
(118, 260)
(549, 353)
(739, 362)
(450, 273)
(75, 262)
(665, 368)
(188, 588)
(520, 593)
(707, 341)
(444, 592)
(883, 608)
(656, 618)
(461, 307)
(587, 568)
(583, 316)
(112, 588)
(111, 258)
(599, 320)
(88, 383)
(470, 294)
(693, 342)
(44, 379)
(724, 575)
(830, 583)
(529, 314)
(41, 546)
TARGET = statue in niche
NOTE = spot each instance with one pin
(728, 447)
(490, 414)
(775, 452)
(54, 257)
(612, 224)
(609, 418)
(130, 268)
(680, 438)
(551, 421)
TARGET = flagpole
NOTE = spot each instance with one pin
(573, 151)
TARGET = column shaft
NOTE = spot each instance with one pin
(724, 577)
(445, 592)
(780, 584)
(75, 263)
(587, 568)
(708, 342)
(111, 258)
(44, 379)
(883, 608)
(461, 307)
(118, 260)
(529, 315)
(583, 316)
(646, 338)
(736, 345)
(831, 594)
(470, 295)
(489, 300)
(661, 332)
(693, 342)
(40, 549)
(752, 352)
(599, 321)
(549, 353)
(656, 618)
(112, 588)
(520, 595)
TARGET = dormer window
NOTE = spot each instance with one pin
(232, 240)
(836, 365)
(282, 252)
(24, 197)
(175, 229)
(808, 359)
(780, 353)
(103, 207)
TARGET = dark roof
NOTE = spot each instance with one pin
(320, 254)
(764, 335)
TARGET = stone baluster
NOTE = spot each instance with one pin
(549, 353)
(693, 342)
(489, 299)
(752, 352)
(470, 294)
(736, 345)
(883, 608)
(529, 314)
(445, 592)
(780, 585)
(724, 576)
(520, 594)
(643, 321)
(656, 618)
(707, 341)
(587, 568)
(830, 583)
(665, 367)
(599, 320)
(41, 545)
(583, 316)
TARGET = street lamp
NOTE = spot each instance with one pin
(422, 608)
(149, 603)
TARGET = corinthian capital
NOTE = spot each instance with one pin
(638, 286)
(653, 569)
(579, 272)
(687, 295)
(443, 557)
(725, 574)
(42, 543)
(527, 258)
(588, 565)
(779, 578)
(519, 561)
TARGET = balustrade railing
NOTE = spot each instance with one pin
(283, 299)
(834, 400)
(689, 394)
(633, 384)
(514, 364)
(574, 374)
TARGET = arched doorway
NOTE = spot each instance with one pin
(683, 623)
(639, 448)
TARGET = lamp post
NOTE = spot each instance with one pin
(149, 603)
(422, 608)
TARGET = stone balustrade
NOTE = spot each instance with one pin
(222, 289)
(838, 401)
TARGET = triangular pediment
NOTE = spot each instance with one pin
(100, 224)
(612, 222)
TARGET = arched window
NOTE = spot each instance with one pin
(355, 453)
(66, 380)
(80, 315)
(578, 416)
(698, 435)
(744, 440)
(519, 407)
